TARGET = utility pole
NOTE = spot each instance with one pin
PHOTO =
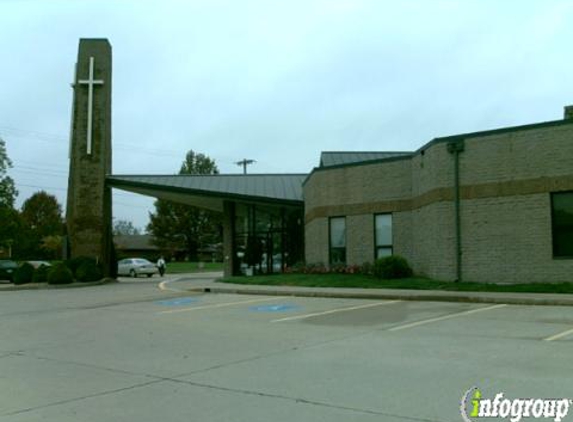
(245, 162)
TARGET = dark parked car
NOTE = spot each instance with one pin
(7, 269)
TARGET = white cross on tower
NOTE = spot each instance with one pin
(90, 82)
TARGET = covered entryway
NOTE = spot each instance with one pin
(263, 215)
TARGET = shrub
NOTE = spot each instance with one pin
(60, 274)
(392, 267)
(74, 263)
(88, 271)
(24, 274)
(41, 274)
(296, 268)
(318, 268)
(345, 269)
(367, 268)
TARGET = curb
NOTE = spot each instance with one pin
(46, 286)
(424, 295)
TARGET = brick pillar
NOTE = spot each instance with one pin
(229, 253)
(88, 211)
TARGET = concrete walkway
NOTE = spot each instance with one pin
(206, 282)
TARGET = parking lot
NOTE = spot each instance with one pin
(133, 352)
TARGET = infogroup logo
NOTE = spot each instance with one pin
(473, 405)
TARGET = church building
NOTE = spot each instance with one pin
(490, 206)
(487, 206)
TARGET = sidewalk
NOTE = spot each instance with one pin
(552, 299)
(206, 283)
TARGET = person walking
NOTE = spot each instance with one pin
(161, 266)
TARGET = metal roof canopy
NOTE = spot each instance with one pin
(209, 191)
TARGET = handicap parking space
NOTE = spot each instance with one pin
(253, 307)
(441, 318)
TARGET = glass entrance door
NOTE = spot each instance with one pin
(264, 240)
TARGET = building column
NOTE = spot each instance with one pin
(229, 253)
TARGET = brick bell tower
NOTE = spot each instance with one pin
(88, 211)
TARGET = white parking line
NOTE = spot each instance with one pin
(220, 305)
(559, 335)
(333, 311)
(455, 315)
(163, 285)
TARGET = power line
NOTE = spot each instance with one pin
(39, 171)
(39, 187)
(130, 205)
(58, 139)
(65, 189)
(37, 164)
(22, 132)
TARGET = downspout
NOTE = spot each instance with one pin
(455, 148)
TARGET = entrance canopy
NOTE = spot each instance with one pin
(263, 214)
(210, 191)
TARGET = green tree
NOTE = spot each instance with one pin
(42, 222)
(52, 246)
(177, 226)
(8, 191)
(43, 213)
(10, 230)
(124, 228)
(9, 217)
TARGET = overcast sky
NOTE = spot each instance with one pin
(275, 81)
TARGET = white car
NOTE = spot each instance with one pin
(133, 267)
(38, 264)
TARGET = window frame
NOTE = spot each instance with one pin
(385, 246)
(554, 227)
(330, 247)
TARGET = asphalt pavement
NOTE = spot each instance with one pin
(145, 350)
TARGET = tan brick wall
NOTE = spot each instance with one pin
(505, 181)
(359, 184)
(316, 241)
(523, 155)
(432, 168)
(359, 239)
(402, 235)
(433, 241)
(509, 240)
(352, 186)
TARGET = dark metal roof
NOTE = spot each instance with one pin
(209, 191)
(134, 242)
(336, 158)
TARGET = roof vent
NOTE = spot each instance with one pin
(568, 112)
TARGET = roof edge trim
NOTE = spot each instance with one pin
(114, 182)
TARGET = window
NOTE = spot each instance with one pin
(383, 233)
(337, 228)
(562, 227)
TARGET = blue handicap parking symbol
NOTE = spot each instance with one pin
(282, 307)
(180, 301)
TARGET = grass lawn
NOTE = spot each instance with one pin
(192, 267)
(370, 282)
